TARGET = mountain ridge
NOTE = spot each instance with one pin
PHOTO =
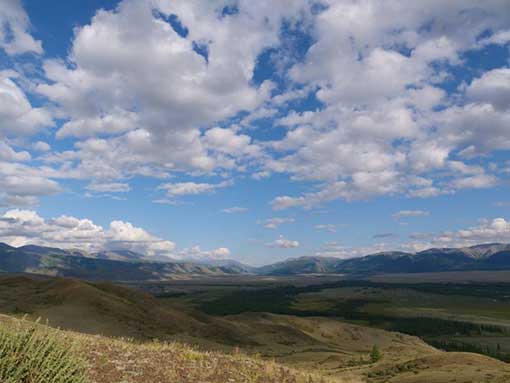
(63, 263)
(128, 265)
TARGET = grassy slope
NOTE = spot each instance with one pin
(112, 360)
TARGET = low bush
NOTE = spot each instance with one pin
(33, 354)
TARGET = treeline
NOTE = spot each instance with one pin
(425, 327)
(455, 345)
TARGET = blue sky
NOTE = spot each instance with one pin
(253, 130)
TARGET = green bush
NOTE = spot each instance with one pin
(375, 354)
(35, 355)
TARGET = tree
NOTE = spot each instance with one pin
(375, 354)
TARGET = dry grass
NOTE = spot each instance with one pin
(111, 360)
(34, 354)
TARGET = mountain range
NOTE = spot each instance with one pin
(120, 265)
(125, 265)
(492, 256)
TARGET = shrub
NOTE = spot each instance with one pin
(35, 355)
(375, 354)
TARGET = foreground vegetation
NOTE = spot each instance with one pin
(30, 354)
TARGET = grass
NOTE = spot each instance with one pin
(31, 355)
(34, 353)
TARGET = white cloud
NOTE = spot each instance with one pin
(191, 188)
(137, 98)
(21, 227)
(479, 181)
(195, 253)
(15, 35)
(23, 183)
(335, 250)
(487, 231)
(17, 115)
(492, 87)
(115, 122)
(495, 230)
(274, 222)
(498, 38)
(283, 243)
(328, 227)
(111, 187)
(160, 113)
(41, 146)
(123, 235)
(234, 210)
(410, 213)
(380, 131)
(7, 153)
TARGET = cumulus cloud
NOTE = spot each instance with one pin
(17, 115)
(274, 222)
(15, 35)
(7, 153)
(41, 146)
(161, 113)
(123, 235)
(492, 87)
(21, 227)
(382, 122)
(380, 131)
(21, 184)
(283, 243)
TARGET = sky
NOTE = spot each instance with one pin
(255, 131)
